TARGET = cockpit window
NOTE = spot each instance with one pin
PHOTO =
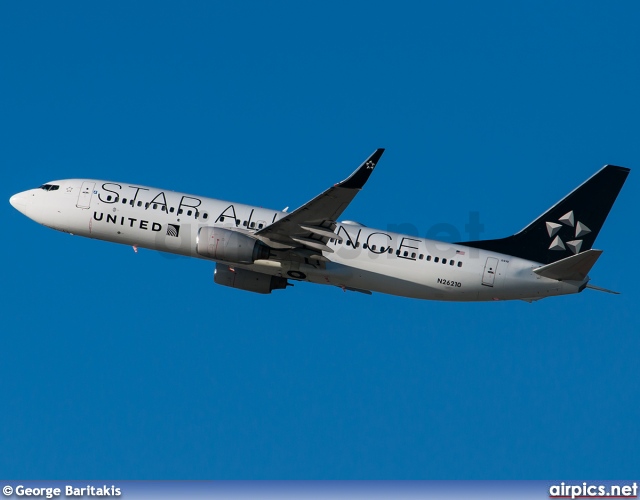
(50, 187)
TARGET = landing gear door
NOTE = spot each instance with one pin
(86, 192)
(490, 269)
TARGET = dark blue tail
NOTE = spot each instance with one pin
(570, 226)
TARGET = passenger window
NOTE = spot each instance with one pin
(155, 206)
(244, 223)
(109, 198)
(124, 200)
(260, 226)
(163, 208)
(116, 199)
(389, 250)
(444, 261)
(413, 255)
(428, 257)
(451, 262)
(373, 247)
(237, 222)
(171, 209)
(205, 215)
(189, 212)
(364, 245)
(253, 225)
(421, 256)
(348, 243)
(406, 254)
(139, 203)
(459, 264)
(436, 259)
(221, 218)
(180, 211)
(146, 205)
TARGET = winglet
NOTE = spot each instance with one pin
(358, 179)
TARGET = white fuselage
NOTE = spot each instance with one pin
(362, 258)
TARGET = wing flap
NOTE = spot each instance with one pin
(323, 232)
(315, 244)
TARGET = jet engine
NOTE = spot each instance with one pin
(231, 246)
(248, 280)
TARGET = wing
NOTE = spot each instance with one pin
(314, 223)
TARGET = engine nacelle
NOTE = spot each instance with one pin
(248, 280)
(231, 246)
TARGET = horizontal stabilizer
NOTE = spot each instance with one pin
(597, 288)
(574, 268)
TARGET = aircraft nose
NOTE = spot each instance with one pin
(19, 202)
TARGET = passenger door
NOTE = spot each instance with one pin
(86, 192)
(490, 269)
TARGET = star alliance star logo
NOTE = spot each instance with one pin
(567, 220)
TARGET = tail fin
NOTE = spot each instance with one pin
(570, 226)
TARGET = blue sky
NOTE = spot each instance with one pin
(124, 365)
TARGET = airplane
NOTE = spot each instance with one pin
(261, 250)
